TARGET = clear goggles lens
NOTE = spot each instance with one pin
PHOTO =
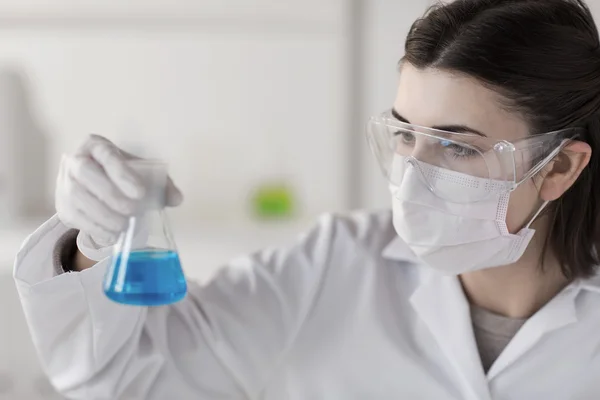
(458, 167)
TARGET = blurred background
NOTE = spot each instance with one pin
(258, 106)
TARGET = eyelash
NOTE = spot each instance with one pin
(458, 150)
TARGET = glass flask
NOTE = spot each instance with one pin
(145, 269)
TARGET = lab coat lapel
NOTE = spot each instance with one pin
(559, 312)
(441, 304)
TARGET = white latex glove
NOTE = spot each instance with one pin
(96, 192)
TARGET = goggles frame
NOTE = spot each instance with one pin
(509, 163)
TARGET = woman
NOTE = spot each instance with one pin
(485, 289)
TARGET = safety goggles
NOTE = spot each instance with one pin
(460, 167)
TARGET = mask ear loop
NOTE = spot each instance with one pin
(537, 214)
(538, 169)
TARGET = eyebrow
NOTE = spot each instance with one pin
(448, 128)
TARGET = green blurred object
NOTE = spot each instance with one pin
(274, 200)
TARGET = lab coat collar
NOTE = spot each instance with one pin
(591, 284)
(398, 250)
(558, 313)
(441, 304)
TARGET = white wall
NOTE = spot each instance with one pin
(595, 9)
(386, 25)
(229, 93)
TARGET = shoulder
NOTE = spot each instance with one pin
(360, 227)
(345, 243)
(357, 238)
(360, 252)
(369, 231)
(334, 239)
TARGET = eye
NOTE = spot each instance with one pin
(458, 151)
(405, 136)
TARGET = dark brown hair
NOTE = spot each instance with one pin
(544, 57)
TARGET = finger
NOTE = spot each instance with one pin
(174, 195)
(96, 210)
(79, 219)
(110, 159)
(128, 156)
(93, 139)
(89, 174)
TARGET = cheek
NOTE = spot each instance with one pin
(521, 206)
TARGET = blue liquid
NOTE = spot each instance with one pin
(146, 278)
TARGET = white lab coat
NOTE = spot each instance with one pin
(345, 313)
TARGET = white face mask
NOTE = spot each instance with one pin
(455, 237)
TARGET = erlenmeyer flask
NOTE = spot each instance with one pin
(145, 268)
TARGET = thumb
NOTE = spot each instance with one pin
(174, 195)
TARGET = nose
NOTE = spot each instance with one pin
(411, 162)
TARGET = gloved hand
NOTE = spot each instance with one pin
(96, 192)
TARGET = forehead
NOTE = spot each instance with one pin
(432, 97)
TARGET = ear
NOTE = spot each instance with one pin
(565, 169)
